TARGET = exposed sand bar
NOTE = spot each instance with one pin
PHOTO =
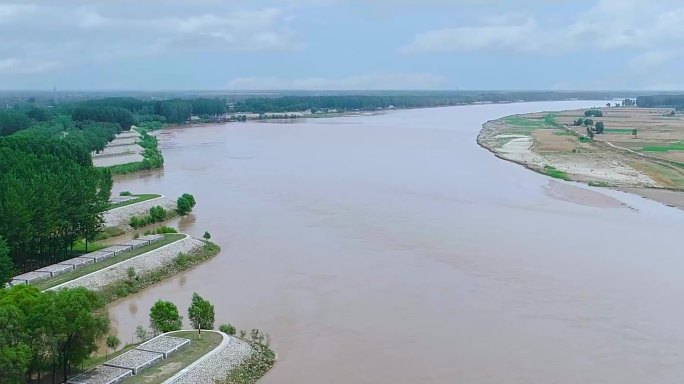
(550, 143)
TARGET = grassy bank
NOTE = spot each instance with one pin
(90, 268)
(199, 346)
(96, 360)
(138, 199)
(556, 173)
(255, 367)
(182, 262)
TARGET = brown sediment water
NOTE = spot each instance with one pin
(393, 249)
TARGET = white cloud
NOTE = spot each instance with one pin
(16, 66)
(374, 81)
(84, 32)
(514, 37)
(9, 12)
(610, 24)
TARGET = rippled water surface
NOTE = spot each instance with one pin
(393, 249)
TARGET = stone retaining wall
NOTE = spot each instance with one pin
(144, 263)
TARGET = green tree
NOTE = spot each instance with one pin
(207, 235)
(6, 265)
(15, 353)
(80, 322)
(164, 317)
(634, 132)
(201, 313)
(113, 342)
(190, 198)
(185, 203)
(183, 206)
(589, 122)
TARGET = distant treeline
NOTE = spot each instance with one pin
(367, 103)
(668, 101)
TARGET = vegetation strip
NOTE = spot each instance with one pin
(135, 283)
(254, 368)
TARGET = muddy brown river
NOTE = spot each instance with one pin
(393, 249)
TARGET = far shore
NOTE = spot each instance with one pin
(649, 164)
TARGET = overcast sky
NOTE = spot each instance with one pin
(341, 44)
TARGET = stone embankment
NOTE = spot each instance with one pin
(121, 216)
(122, 150)
(216, 364)
(147, 262)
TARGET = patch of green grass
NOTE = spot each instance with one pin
(53, 281)
(79, 246)
(550, 119)
(564, 133)
(584, 139)
(557, 173)
(526, 122)
(138, 199)
(618, 130)
(199, 346)
(678, 146)
(108, 232)
(252, 369)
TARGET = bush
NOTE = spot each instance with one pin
(593, 112)
(599, 127)
(157, 214)
(125, 193)
(164, 229)
(228, 328)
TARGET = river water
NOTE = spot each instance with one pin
(393, 249)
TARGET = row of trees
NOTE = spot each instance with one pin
(669, 101)
(47, 333)
(119, 115)
(164, 315)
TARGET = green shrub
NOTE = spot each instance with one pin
(125, 287)
(157, 214)
(164, 229)
(125, 193)
(228, 329)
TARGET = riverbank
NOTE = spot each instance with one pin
(551, 143)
